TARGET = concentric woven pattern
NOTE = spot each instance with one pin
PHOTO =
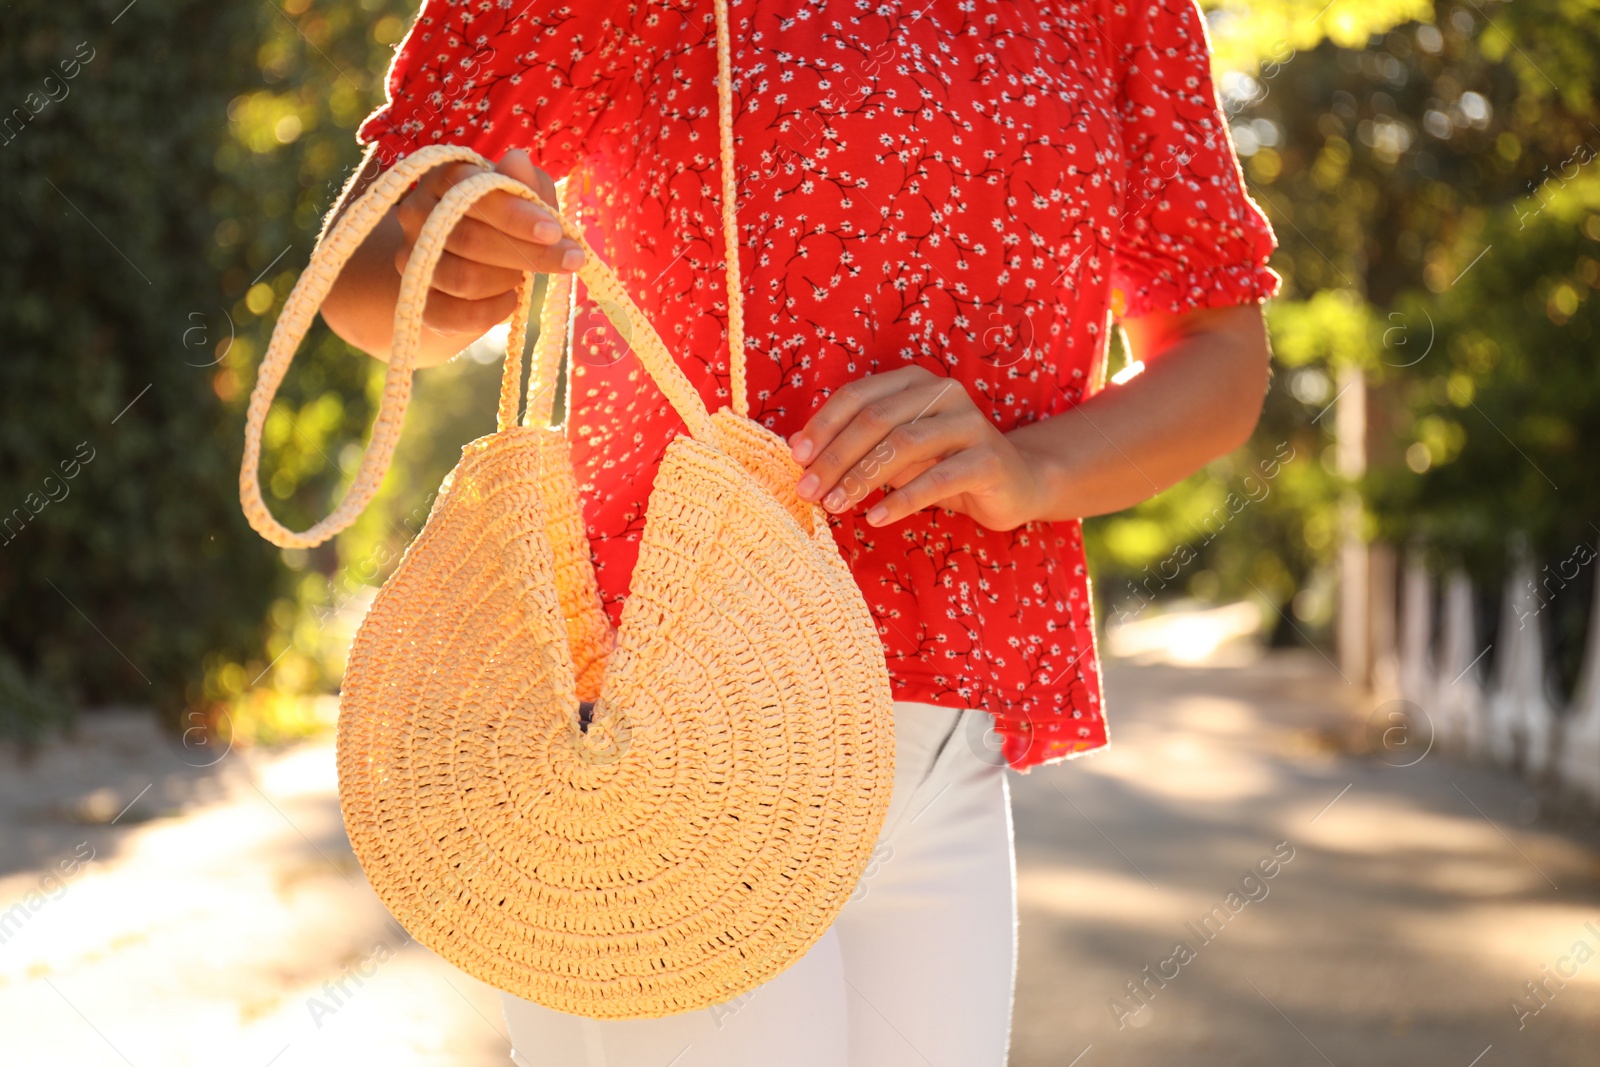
(722, 805)
(699, 832)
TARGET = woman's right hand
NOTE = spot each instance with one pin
(499, 239)
(474, 286)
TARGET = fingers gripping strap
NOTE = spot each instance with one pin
(517, 340)
(603, 286)
(327, 260)
(359, 220)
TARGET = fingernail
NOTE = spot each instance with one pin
(802, 450)
(547, 232)
(834, 500)
(876, 514)
(808, 485)
(573, 259)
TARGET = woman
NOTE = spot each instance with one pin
(939, 208)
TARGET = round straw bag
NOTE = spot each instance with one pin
(617, 824)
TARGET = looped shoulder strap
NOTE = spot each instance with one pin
(327, 260)
(555, 326)
(605, 289)
(317, 280)
(336, 247)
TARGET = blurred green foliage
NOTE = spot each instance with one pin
(124, 564)
(288, 150)
(167, 166)
(1389, 158)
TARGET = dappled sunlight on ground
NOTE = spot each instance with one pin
(238, 931)
(1417, 901)
(1101, 896)
(1213, 635)
(1179, 759)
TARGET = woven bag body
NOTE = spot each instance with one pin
(617, 823)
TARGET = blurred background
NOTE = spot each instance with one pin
(1363, 641)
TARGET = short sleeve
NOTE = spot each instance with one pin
(494, 75)
(1188, 236)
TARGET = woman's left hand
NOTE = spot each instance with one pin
(922, 435)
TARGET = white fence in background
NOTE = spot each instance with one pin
(1509, 716)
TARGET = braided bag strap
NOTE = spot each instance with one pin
(730, 228)
(561, 289)
(327, 260)
(355, 224)
(317, 280)
(555, 327)
(605, 288)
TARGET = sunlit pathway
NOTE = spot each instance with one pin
(1406, 908)
(240, 933)
(217, 917)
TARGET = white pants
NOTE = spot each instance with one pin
(917, 970)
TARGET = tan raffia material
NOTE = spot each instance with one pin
(616, 823)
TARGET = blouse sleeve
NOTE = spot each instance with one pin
(1189, 236)
(544, 75)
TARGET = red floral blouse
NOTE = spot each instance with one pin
(962, 184)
